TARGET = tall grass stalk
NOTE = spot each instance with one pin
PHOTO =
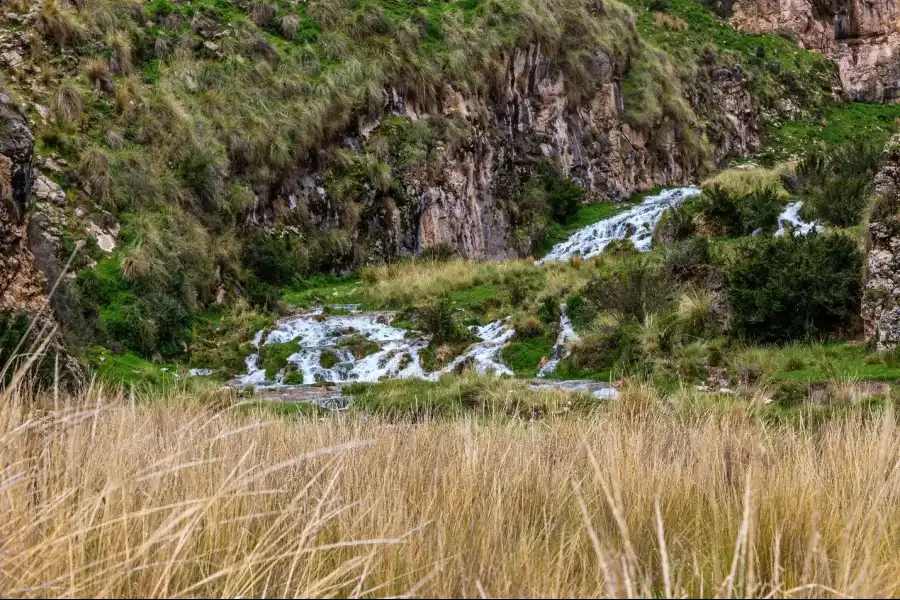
(198, 496)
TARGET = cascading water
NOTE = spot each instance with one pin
(636, 224)
(325, 343)
(791, 215)
(563, 339)
(397, 355)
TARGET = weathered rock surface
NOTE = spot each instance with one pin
(861, 36)
(21, 285)
(881, 294)
(462, 199)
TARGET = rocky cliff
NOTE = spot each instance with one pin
(21, 285)
(881, 295)
(861, 36)
(462, 198)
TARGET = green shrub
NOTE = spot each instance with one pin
(635, 288)
(271, 258)
(549, 310)
(565, 198)
(439, 320)
(606, 347)
(676, 224)
(739, 215)
(836, 181)
(790, 288)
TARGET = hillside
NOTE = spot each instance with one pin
(451, 298)
(208, 151)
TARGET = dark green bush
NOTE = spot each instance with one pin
(636, 288)
(836, 181)
(735, 216)
(439, 320)
(271, 258)
(792, 288)
(565, 198)
(549, 310)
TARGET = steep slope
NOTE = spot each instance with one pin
(861, 36)
(213, 149)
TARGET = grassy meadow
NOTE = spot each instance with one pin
(201, 495)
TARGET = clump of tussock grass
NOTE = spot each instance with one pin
(67, 105)
(289, 26)
(194, 494)
(95, 169)
(56, 24)
(743, 182)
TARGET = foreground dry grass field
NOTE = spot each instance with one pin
(174, 498)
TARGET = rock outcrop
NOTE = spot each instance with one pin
(881, 293)
(861, 36)
(21, 285)
(462, 199)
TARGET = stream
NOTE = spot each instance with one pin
(329, 346)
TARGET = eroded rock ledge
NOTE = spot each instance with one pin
(861, 36)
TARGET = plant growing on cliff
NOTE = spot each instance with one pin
(836, 181)
(67, 104)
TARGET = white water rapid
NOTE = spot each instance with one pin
(563, 339)
(636, 223)
(397, 356)
(791, 216)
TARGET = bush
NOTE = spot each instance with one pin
(549, 310)
(636, 289)
(565, 198)
(736, 215)
(836, 182)
(688, 260)
(790, 288)
(439, 320)
(271, 258)
(675, 224)
(606, 347)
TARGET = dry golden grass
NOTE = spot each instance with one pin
(748, 180)
(174, 498)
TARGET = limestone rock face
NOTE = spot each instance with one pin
(881, 294)
(861, 36)
(463, 204)
(21, 286)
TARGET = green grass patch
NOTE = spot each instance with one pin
(857, 121)
(273, 357)
(129, 369)
(324, 291)
(524, 356)
(817, 363)
(479, 299)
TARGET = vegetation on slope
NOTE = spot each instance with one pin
(143, 105)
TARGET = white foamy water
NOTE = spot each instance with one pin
(791, 216)
(636, 224)
(398, 355)
(484, 356)
(563, 339)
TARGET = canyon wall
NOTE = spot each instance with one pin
(861, 36)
